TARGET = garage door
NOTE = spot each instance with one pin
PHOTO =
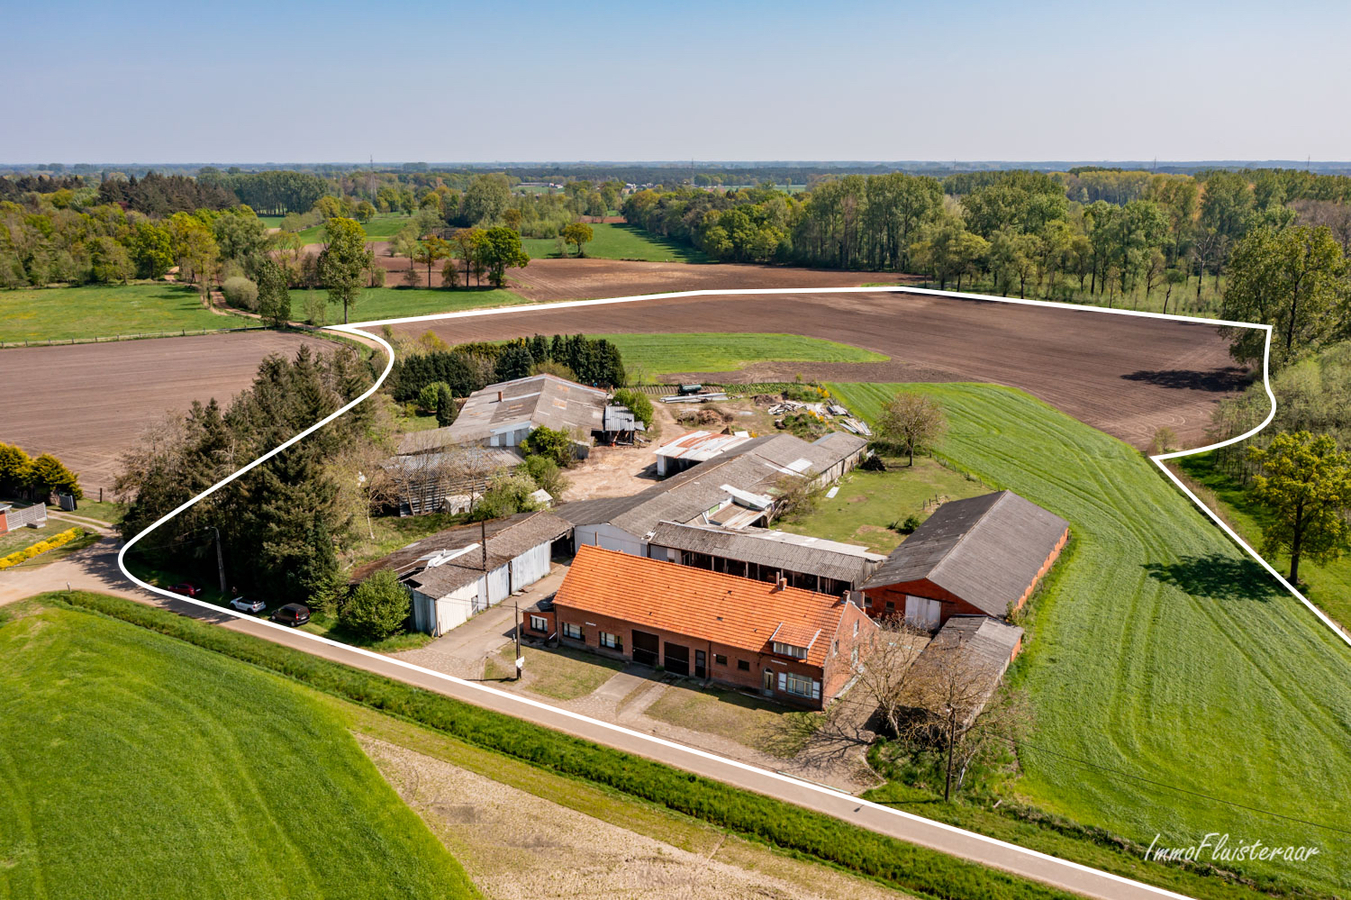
(922, 612)
(645, 648)
(677, 659)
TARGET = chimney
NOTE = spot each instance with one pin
(499, 396)
(780, 583)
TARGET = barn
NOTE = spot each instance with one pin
(980, 556)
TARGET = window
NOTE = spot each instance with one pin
(572, 631)
(800, 685)
(835, 648)
(743, 665)
(611, 640)
(853, 656)
(856, 628)
(539, 623)
(891, 605)
(719, 659)
(795, 652)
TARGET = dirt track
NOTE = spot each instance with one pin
(1125, 375)
(86, 403)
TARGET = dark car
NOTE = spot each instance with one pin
(292, 614)
(187, 589)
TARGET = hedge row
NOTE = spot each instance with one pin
(51, 543)
(898, 864)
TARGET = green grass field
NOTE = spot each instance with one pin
(136, 765)
(91, 311)
(1159, 652)
(619, 242)
(381, 228)
(662, 354)
(1329, 585)
(393, 303)
(869, 502)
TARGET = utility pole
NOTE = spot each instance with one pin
(952, 737)
(483, 545)
(520, 660)
(220, 563)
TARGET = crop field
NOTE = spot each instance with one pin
(136, 765)
(1157, 649)
(1124, 375)
(616, 241)
(90, 311)
(395, 302)
(87, 403)
(1328, 585)
(662, 354)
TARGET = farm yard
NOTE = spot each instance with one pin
(103, 311)
(171, 766)
(87, 403)
(1156, 649)
(1123, 375)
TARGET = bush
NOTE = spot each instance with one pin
(430, 396)
(908, 526)
(898, 864)
(445, 406)
(377, 608)
(551, 444)
(56, 540)
(507, 495)
(546, 474)
(241, 293)
(638, 403)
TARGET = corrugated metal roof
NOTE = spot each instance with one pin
(700, 445)
(703, 605)
(986, 550)
(775, 549)
(966, 659)
(537, 400)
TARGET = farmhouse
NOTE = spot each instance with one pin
(503, 414)
(793, 645)
(980, 556)
(813, 564)
(737, 489)
(450, 576)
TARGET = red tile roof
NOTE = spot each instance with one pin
(704, 605)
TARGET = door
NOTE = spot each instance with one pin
(677, 659)
(768, 688)
(699, 664)
(645, 648)
(922, 612)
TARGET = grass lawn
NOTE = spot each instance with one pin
(1159, 651)
(23, 538)
(559, 673)
(395, 303)
(380, 228)
(619, 242)
(136, 765)
(91, 311)
(1327, 586)
(661, 354)
(108, 511)
(869, 502)
(393, 532)
(750, 721)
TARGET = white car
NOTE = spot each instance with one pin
(243, 604)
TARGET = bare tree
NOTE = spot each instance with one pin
(883, 664)
(911, 421)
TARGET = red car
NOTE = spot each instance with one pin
(187, 589)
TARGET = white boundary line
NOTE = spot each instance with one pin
(358, 329)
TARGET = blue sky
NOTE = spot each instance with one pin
(338, 81)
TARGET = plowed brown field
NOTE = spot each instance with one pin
(1125, 375)
(86, 403)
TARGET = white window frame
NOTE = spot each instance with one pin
(807, 687)
(790, 650)
(611, 641)
(573, 632)
(539, 623)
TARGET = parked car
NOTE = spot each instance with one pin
(292, 614)
(187, 589)
(244, 604)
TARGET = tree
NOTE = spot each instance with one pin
(500, 250)
(546, 474)
(429, 396)
(577, 233)
(467, 242)
(508, 493)
(377, 608)
(274, 299)
(432, 249)
(47, 474)
(151, 248)
(883, 665)
(551, 444)
(445, 406)
(365, 211)
(16, 470)
(1306, 482)
(514, 362)
(486, 199)
(343, 262)
(911, 422)
(1294, 280)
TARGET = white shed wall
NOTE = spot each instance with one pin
(610, 538)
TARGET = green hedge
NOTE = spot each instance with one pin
(896, 863)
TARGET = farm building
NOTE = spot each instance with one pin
(813, 564)
(619, 425)
(450, 577)
(793, 645)
(445, 480)
(980, 556)
(690, 449)
(963, 665)
(12, 517)
(503, 414)
(735, 490)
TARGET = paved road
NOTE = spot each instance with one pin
(95, 569)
